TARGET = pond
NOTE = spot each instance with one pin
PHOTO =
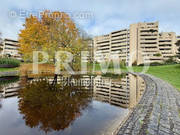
(83, 105)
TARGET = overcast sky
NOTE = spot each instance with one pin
(104, 15)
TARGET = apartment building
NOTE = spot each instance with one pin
(10, 48)
(167, 44)
(1, 48)
(90, 55)
(139, 44)
(102, 47)
(115, 43)
(178, 39)
(120, 44)
(144, 39)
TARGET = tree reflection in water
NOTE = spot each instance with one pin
(51, 107)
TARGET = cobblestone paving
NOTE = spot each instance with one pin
(158, 112)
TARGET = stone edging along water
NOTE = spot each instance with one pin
(158, 112)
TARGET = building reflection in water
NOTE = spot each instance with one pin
(125, 93)
(9, 86)
(54, 107)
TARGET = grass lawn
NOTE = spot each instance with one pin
(8, 69)
(169, 73)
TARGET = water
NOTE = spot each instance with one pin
(96, 107)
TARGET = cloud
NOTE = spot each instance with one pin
(107, 15)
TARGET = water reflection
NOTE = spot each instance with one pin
(9, 86)
(56, 107)
(50, 107)
(125, 93)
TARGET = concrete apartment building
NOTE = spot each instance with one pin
(1, 48)
(144, 38)
(10, 48)
(119, 41)
(115, 43)
(167, 44)
(102, 47)
(139, 44)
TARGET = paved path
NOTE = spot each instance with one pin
(158, 112)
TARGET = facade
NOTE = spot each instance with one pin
(88, 57)
(139, 44)
(144, 38)
(167, 44)
(102, 47)
(91, 53)
(120, 44)
(10, 48)
(115, 43)
(178, 39)
(1, 48)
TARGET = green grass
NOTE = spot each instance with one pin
(169, 73)
(10, 61)
(8, 69)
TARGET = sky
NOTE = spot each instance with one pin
(101, 16)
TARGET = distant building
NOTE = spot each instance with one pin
(89, 56)
(102, 47)
(1, 48)
(10, 48)
(141, 43)
(178, 39)
(91, 49)
(144, 43)
(120, 44)
(167, 44)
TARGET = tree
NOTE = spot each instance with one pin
(54, 31)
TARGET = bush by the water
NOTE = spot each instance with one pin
(152, 64)
(9, 62)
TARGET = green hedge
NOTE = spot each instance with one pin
(9, 62)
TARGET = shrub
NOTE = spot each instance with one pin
(134, 63)
(171, 60)
(122, 64)
(9, 62)
(156, 64)
(152, 64)
(157, 54)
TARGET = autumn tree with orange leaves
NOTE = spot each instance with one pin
(54, 31)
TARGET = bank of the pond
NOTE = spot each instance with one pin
(169, 73)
